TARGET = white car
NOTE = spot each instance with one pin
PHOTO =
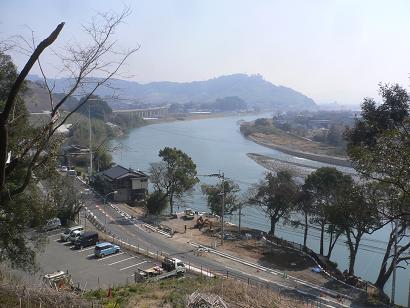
(63, 169)
(52, 224)
(67, 232)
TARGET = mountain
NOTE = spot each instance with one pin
(37, 99)
(253, 89)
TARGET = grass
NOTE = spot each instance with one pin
(174, 293)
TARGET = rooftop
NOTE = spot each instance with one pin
(120, 171)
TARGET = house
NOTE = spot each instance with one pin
(75, 150)
(130, 185)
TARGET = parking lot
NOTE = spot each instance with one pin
(87, 270)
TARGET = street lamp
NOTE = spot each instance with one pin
(105, 208)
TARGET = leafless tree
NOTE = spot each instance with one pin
(99, 57)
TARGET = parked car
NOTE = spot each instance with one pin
(75, 235)
(63, 169)
(72, 172)
(105, 248)
(86, 239)
(52, 224)
(67, 232)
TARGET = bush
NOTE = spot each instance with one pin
(157, 202)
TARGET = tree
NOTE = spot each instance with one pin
(214, 193)
(304, 204)
(157, 202)
(379, 143)
(379, 147)
(359, 216)
(276, 196)
(64, 198)
(175, 175)
(262, 122)
(36, 151)
(96, 107)
(326, 186)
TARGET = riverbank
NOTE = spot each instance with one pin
(195, 116)
(274, 164)
(264, 141)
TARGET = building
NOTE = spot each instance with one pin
(130, 185)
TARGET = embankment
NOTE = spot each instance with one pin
(339, 161)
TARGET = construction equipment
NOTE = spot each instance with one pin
(59, 280)
(170, 267)
(189, 214)
(201, 223)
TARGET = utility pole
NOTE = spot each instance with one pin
(223, 207)
(393, 285)
(240, 214)
(408, 305)
(91, 152)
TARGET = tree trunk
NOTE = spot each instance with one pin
(384, 273)
(329, 250)
(332, 245)
(171, 203)
(272, 226)
(322, 231)
(12, 97)
(353, 249)
(306, 231)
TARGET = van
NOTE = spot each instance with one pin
(86, 239)
(105, 248)
(67, 232)
(52, 224)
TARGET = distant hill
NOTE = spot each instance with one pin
(37, 100)
(253, 89)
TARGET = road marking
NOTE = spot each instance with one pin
(123, 260)
(81, 250)
(132, 265)
(52, 236)
(90, 255)
(114, 255)
(59, 241)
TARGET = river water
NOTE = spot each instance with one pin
(217, 145)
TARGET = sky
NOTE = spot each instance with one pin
(330, 50)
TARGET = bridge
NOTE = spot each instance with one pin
(145, 112)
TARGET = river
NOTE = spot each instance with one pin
(217, 145)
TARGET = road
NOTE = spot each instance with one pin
(134, 233)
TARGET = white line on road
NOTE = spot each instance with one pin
(123, 260)
(90, 255)
(116, 255)
(132, 265)
(85, 249)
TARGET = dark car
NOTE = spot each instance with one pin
(86, 239)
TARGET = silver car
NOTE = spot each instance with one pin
(67, 232)
(75, 235)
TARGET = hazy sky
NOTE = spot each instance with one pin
(328, 50)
